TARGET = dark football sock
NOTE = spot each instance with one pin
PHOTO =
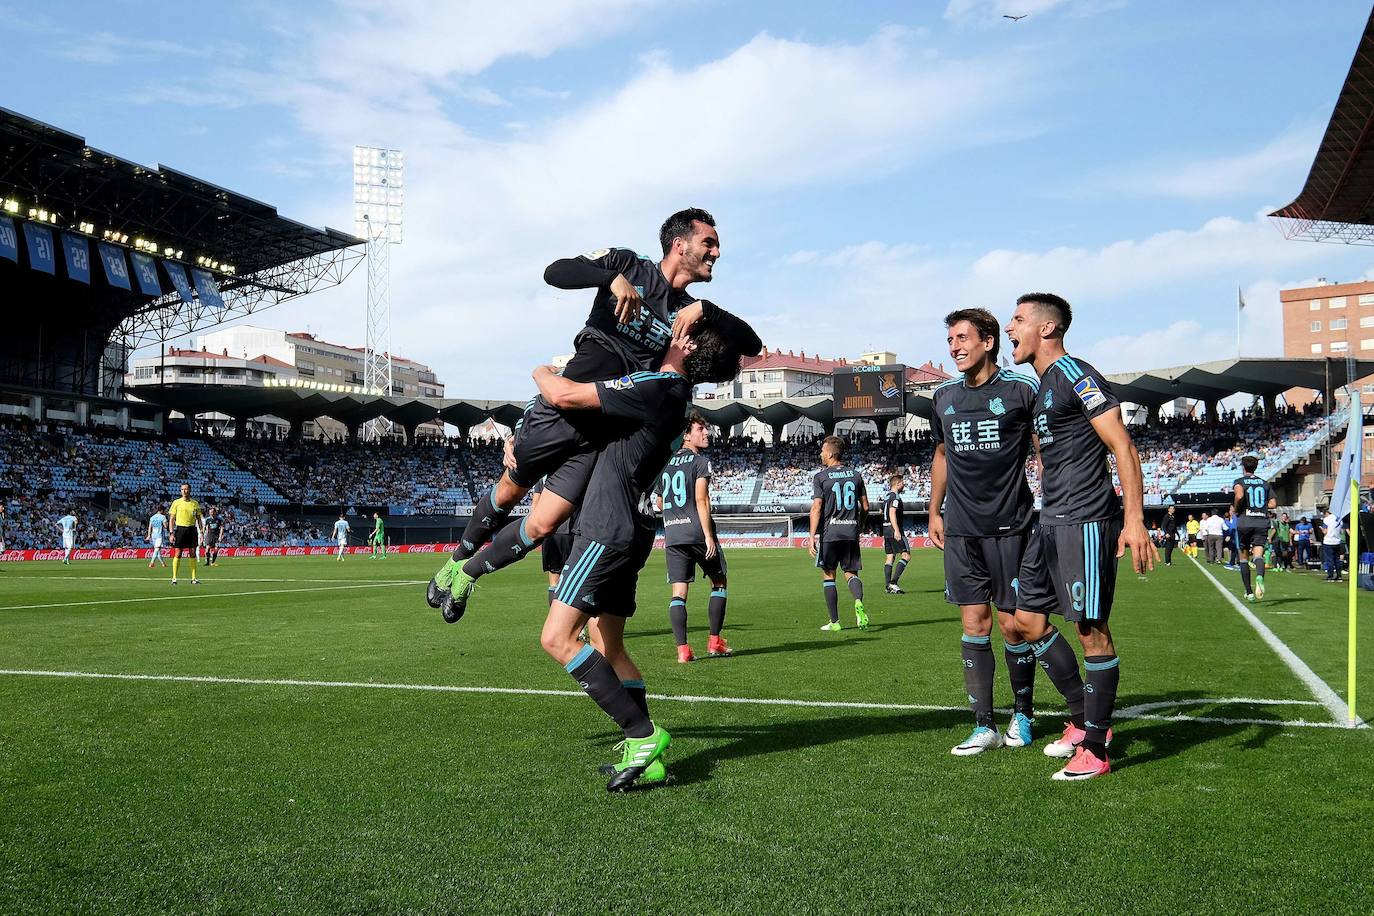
(1245, 577)
(590, 669)
(486, 520)
(832, 601)
(979, 666)
(1259, 568)
(897, 571)
(715, 611)
(1021, 673)
(856, 588)
(677, 616)
(1057, 657)
(509, 546)
(639, 693)
(552, 589)
(1103, 675)
(887, 575)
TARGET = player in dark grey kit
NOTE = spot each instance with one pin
(1070, 562)
(980, 515)
(689, 537)
(895, 546)
(1253, 498)
(839, 505)
(554, 551)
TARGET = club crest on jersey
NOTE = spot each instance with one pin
(1049, 399)
(997, 407)
(599, 253)
(619, 384)
(887, 385)
(1088, 392)
(949, 411)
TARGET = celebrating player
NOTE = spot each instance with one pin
(980, 515)
(689, 536)
(1070, 562)
(895, 545)
(213, 526)
(185, 515)
(378, 539)
(554, 551)
(1253, 498)
(341, 536)
(157, 529)
(839, 503)
(67, 525)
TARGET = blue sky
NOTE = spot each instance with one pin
(871, 165)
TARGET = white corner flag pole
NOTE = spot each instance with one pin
(1345, 497)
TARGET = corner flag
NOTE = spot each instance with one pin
(1346, 498)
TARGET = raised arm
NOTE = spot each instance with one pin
(565, 394)
(586, 272)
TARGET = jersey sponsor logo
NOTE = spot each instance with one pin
(966, 436)
(887, 386)
(997, 407)
(619, 384)
(598, 253)
(1089, 393)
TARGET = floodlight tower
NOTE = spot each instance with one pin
(378, 198)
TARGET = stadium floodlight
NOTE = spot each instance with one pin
(11, 206)
(378, 200)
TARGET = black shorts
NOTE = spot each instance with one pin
(893, 546)
(555, 551)
(211, 539)
(599, 580)
(839, 555)
(1252, 536)
(1071, 570)
(186, 537)
(683, 560)
(984, 570)
(549, 445)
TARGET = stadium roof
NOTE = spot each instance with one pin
(1337, 202)
(1204, 382)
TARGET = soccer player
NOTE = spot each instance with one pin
(67, 525)
(895, 545)
(839, 504)
(213, 526)
(1170, 536)
(554, 550)
(185, 515)
(689, 537)
(980, 516)
(614, 534)
(1070, 562)
(341, 536)
(157, 532)
(1252, 498)
(378, 537)
(639, 307)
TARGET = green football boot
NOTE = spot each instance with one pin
(441, 582)
(860, 616)
(831, 627)
(455, 601)
(654, 773)
(1259, 587)
(639, 754)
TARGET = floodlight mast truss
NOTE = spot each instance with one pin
(1324, 230)
(167, 318)
(378, 199)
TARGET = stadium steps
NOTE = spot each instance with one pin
(758, 479)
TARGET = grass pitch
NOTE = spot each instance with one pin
(209, 796)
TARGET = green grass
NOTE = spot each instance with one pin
(133, 796)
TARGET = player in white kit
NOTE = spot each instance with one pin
(67, 524)
(157, 534)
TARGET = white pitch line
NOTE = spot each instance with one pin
(154, 580)
(749, 701)
(204, 594)
(1340, 712)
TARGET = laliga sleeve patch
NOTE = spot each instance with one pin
(1089, 393)
(597, 255)
(619, 384)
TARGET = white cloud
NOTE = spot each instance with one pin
(107, 48)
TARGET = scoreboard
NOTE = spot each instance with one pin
(869, 392)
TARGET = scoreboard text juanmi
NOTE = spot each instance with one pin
(866, 392)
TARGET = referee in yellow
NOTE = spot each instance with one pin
(186, 519)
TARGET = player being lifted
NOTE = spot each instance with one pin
(185, 515)
(554, 551)
(67, 525)
(895, 545)
(689, 537)
(378, 538)
(839, 504)
(627, 334)
(157, 535)
(341, 536)
(981, 514)
(1253, 498)
(1070, 563)
(614, 534)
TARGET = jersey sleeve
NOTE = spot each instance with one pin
(817, 487)
(937, 428)
(593, 269)
(626, 399)
(1092, 391)
(703, 468)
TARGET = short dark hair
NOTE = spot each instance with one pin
(694, 419)
(1250, 464)
(715, 359)
(833, 444)
(893, 479)
(680, 224)
(1060, 312)
(983, 321)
